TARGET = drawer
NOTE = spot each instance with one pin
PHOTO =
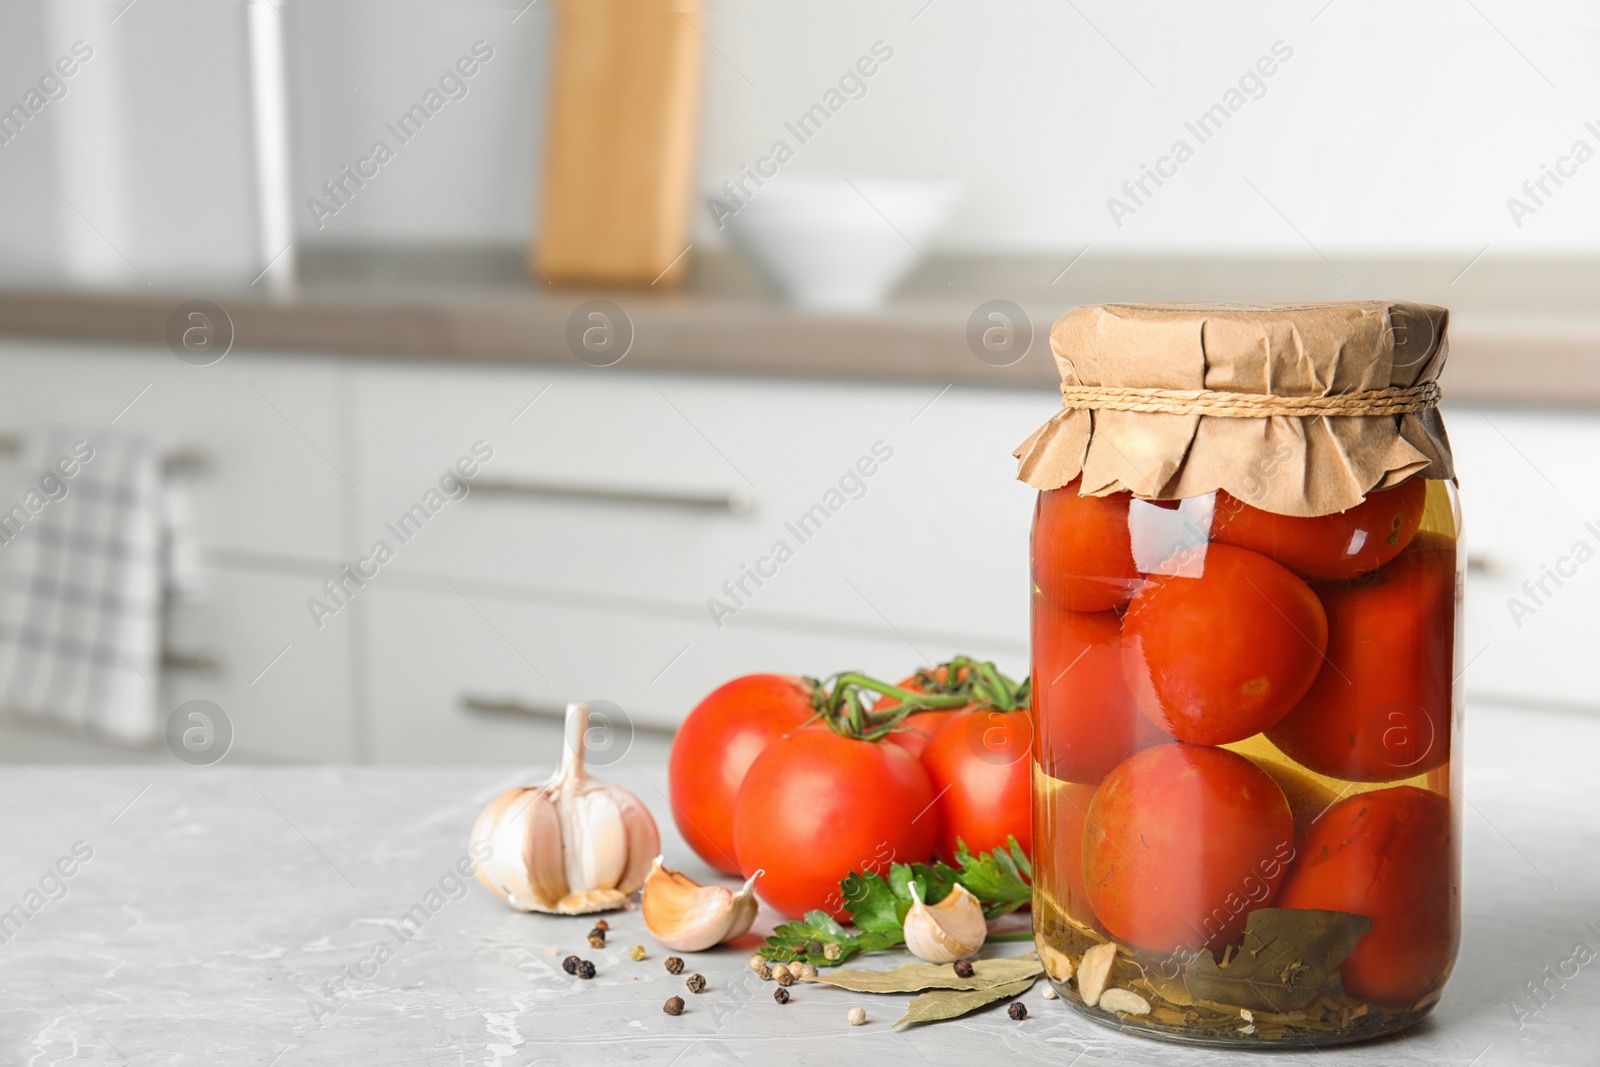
(269, 429)
(1528, 492)
(935, 537)
(299, 708)
(429, 650)
(25, 741)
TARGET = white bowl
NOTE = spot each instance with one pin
(837, 244)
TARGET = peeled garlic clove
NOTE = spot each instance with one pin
(689, 917)
(946, 931)
(572, 845)
(744, 909)
(1094, 971)
(1125, 1001)
(1057, 964)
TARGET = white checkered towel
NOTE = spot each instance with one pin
(81, 586)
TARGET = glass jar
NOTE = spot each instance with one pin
(1243, 776)
(1245, 828)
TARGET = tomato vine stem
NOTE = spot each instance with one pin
(961, 683)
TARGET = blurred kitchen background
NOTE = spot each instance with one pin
(580, 308)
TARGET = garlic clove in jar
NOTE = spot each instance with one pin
(690, 917)
(1057, 964)
(946, 931)
(572, 845)
(1094, 971)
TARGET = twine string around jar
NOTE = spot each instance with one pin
(1398, 400)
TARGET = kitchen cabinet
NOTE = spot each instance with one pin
(935, 536)
(580, 562)
(264, 432)
(286, 686)
(464, 675)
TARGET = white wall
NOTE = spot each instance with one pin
(358, 64)
(1389, 129)
(1386, 130)
(140, 169)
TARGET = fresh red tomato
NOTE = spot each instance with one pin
(1183, 842)
(980, 767)
(816, 806)
(1088, 720)
(1388, 855)
(1222, 649)
(1082, 552)
(919, 728)
(1380, 709)
(1328, 546)
(714, 748)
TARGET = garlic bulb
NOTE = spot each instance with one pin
(946, 931)
(690, 917)
(572, 845)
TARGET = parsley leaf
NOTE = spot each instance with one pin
(995, 878)
(878, 905)
(872, 903)
(933, 882)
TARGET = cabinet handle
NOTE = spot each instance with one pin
(181, 461)
(186, 461)
(539, 710)
(201, 661)
(731, 501)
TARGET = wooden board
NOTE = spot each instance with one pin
(619, 159)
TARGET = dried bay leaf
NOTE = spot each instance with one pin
(951, 1003)
(1289, 957)
(912, 977)
(1070, 938)
(1172, 990)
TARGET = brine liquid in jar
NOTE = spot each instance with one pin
(1244, 820)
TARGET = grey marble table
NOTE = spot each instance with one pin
(229, 915)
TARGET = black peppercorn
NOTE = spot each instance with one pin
(696, 983)
(585, 969)
(570, 965)
(963, 968)
(673, 1006)
(1018, 1010)
(784, 977)
(674, 965)
(597, 939)
(781, 995)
